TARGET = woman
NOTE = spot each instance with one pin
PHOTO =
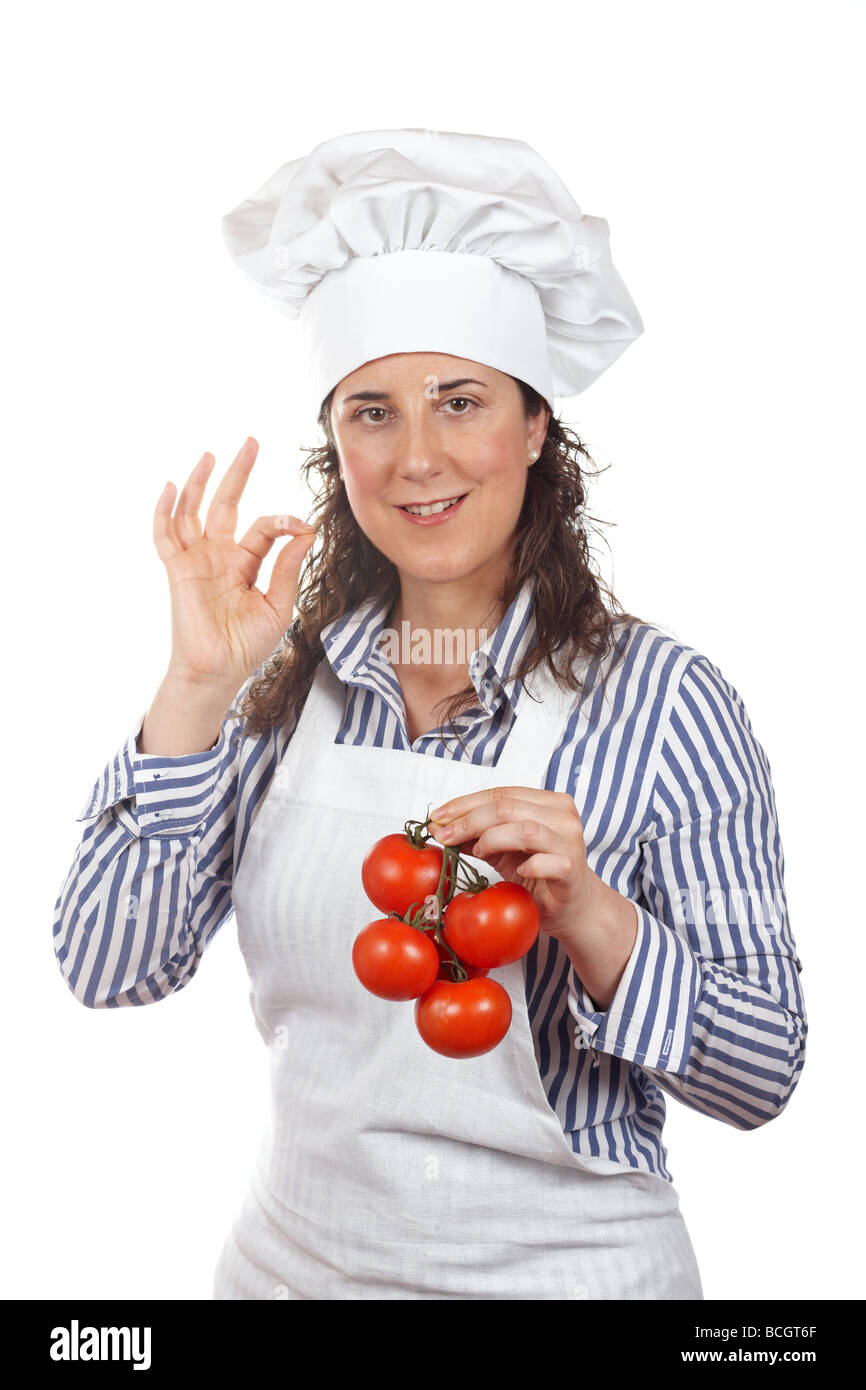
(449, 289)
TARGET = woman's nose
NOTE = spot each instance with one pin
(420, 450)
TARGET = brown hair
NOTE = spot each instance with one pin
(343, 569)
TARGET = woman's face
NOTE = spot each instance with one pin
(424, 427)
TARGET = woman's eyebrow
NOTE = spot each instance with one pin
(443, 386)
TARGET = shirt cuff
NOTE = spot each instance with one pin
(651, 1016)
(163, 793)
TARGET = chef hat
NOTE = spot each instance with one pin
(390, 241)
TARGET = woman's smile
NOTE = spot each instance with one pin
(432, 513)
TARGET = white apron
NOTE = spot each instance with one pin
(388, 1171)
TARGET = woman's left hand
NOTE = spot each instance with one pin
(530, 837)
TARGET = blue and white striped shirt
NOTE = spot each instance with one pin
(709, 1008)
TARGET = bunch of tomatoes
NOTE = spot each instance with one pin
(445, 929)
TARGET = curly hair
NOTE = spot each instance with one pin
(550, 546)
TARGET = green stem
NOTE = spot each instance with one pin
(453, 865)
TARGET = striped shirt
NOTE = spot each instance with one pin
(677, 804)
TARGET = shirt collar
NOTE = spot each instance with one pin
(351, 642)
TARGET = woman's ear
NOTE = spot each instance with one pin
(536, 448)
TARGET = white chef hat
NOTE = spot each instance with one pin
(390, 241)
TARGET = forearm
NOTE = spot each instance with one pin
(185, 717)
(134, 914)
(602, 940)
(721, 1042)
(151, 879)
(747, 1050)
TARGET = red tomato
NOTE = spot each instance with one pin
(394, 961)
(493, 927)
(395, 874)
(463, 1018)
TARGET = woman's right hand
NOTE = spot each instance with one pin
(222, 626)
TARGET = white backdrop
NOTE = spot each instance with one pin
(720, 141)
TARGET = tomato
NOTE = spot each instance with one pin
(493, 927)
(395, 961)
(464, 1018)
(395, 874)
(445, 960)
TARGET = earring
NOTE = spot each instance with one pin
(533, 456)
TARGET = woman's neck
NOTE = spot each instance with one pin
(462, 605)
(433, 611)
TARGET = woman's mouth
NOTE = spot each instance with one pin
(431, 513)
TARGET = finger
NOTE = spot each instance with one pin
(525, 837)
(460, 805)
(284, 577)
(549, 808)
(222, 515)
(164, 535)
(556, 867)
(186, 519)
(264, 531)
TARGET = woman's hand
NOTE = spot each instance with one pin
(536, 838)
(223, 627)
(530, 837)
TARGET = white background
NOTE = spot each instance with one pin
(723, 145)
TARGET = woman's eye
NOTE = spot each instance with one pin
(466, 402)
(369, 411)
